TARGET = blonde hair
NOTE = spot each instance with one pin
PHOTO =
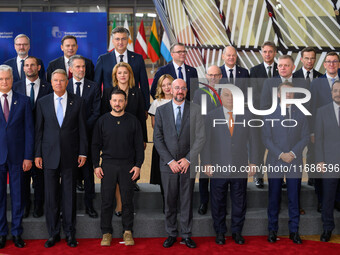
(131, 77)
(159, 92)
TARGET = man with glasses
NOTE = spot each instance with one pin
(177, 69)
(321, 95)
(106, 62)
(307, 71)
(22, 46)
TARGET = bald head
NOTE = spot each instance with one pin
(213, 75)
(179, 91)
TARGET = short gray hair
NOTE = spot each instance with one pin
(74, 57)
(22, 35)
(61, 71)
(6, 68)
(120, 30)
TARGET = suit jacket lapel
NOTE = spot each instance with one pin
(13, 106)
(86, 88)
(113, 58)
(173, 71)
(52, 108)
(69, 107)
(173, 121)
(186, 114)
(15, 69)
(69, 87)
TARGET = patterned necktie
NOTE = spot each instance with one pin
(269, 73)
(121, 58)
(78, 88)
(60, 113)
(180, 74)
(6, 107)
(22, 74)
(231, 76)
(32, 95)
(231, 123)
(178, 120)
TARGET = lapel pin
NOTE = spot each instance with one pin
(15, 102)
(43, 85)
(71, 102)
(118, 122)
(132, 56)
(88, 86)
(133, 94)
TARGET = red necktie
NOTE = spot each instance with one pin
(6, 107)
(69, 74)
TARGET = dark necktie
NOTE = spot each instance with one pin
(180, 74)
(6, 107)
(121, 58)
(22, 74)
(69, 74)
(178, 120)
(78, 88)
(32, 95)
(231, 76)
(269, 73)
(308, 73)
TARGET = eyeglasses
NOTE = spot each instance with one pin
(180, 88)
(334, 62)
(21, 44)
(213, 75)
(181, 52)
(309, 59)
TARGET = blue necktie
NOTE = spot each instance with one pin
(180, 74)
(32, 95)
(60, 113)
(231, 76)
(22, 74)
(178, 120)
(333, 80)
(78, 89)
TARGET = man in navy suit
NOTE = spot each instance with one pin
(236, 75)
(60, 147)
(321, 95)
(90, 92)
(34, 88)
(69, 46)
(258, 74)
(106, 62)
(285, 140)
(327, 156)
(227, 146)
(213, 76)
(16, 153)
(177, 69)
(22, 46)
(307, 71)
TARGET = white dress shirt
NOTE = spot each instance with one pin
(228, 72)
(182, 70)
(125, 58)
(67, 66)
(305, 74)
(35, 88)
(9, 99)
(271, 70)
(75, 86)
(19, 64)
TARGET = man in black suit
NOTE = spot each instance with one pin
(90, 92)
(308, 57)
(60, 147)
(34, 88)
(177, 69)
(69, 46)
(175, 122)
(327, 156)
(236, 75)
(106, 62)
(258, 74)
(22, 46)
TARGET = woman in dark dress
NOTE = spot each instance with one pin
(123, 79)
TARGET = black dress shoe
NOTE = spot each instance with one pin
(326, 236)
(137, 188)
(169, 242)
(38, 211)
(80, 186)
(284, 185)
(295, 237)
(118, 214)
(18, 242)
(2, 242)
(203, 209)
(220, 239)
(52, 240)
(238, 238)
(27, 210)
(91, 212)
(189, 242)
(272, 236)
(71, 241)
(259, 183)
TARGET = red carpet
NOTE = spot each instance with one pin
(206, 245)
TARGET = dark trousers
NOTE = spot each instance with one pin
(204, 188)
(178, 187)
(17, 198)
(113, 174)
(37, 176)
(60, 190)
(274, 200)
(238, 197)
(329, 191)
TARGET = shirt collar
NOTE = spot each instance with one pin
(266, 65)
(9, 94)
(56, 96)
(36, 82)
(81, 81)
(124, 54)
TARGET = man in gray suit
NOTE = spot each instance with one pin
(327, 156)
(173, 127)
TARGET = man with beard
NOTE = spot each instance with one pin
(22, 46)
(120, 164)
(177, 151)
(35, 88)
